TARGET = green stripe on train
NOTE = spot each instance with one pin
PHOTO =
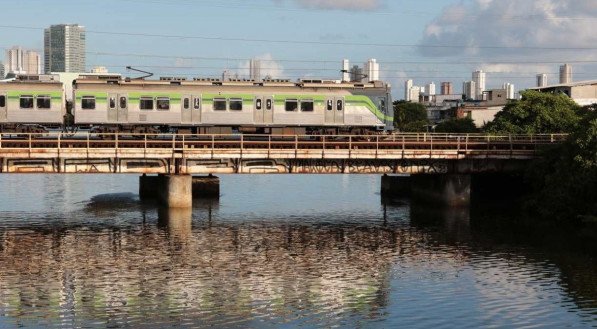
(18, 94)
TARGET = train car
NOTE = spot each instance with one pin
(210, 106)
(31, 104)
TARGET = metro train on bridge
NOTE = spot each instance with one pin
(107, 104)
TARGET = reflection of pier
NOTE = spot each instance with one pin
(233, 268)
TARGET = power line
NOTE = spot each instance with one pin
(303, 42)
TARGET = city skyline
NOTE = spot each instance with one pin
(296, 39)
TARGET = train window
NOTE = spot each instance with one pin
(258, 104)
(236, 104)
(26, 102)
(197, 103)
(186, 103)
(339, 106)
(88, 103)
(43, 102)
(122, 102)
(2, 101)
(330, 105)
(268, 104)
(146, 103)
(307, 105)
(291, 105)
(163, 103)
(219, 104)
(112, 102)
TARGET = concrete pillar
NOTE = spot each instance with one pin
(447, 189)
(395, 185)
(148, 187)
(206, 186)
(176, 191)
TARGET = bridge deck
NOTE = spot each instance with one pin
(56, 152)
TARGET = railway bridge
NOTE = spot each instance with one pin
(440, 164)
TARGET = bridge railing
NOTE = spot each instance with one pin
(401, 141)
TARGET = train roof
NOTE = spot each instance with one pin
(303, 83)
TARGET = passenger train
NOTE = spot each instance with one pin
(199, 106)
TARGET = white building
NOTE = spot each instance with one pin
(99, 69)
(541, 80)
(509, 87)
(407, 85)
(2, 72)
(565, 74)
(255, 70)
(414, 93)
(479, 79)
(371, 69)
(430, 88)
(469, 90)
(20, 61)
(345, 70)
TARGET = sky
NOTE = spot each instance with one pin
(427, 41)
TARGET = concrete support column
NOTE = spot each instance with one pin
(206, 186)
(395, 186)
(176, 191)
(447, 189)
(172, 191)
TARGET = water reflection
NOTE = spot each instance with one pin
(120, 262)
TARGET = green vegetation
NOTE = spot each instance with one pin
(410, 117)
(537, 113)
(565, 179)
(465, 125)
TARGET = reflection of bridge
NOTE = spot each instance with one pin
(170, 153)
(451, 158)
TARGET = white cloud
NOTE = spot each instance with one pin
(510, 25)
(340, 4)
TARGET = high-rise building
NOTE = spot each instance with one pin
(356, 74)
(414, 93)
(509, 87)
(255, 70)
(371, 70)
(430, 89)
(345, 70)
(565, 74)
(2, 72)
(64, 48)
(407, 85)
(446, 88)
(479, 79)
(542, 80)
(21, 61)
(469, 90)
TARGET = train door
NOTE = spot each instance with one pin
(339, 111)
(268, 114)
(123, 108)
(112, 107)
(196, 116)
(329, 111)
(3, 106)
(258, 110)
(186, 110)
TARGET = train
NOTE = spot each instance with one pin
(111, 104)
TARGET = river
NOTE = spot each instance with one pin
(275, 251)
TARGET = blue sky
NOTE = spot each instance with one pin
(309, 38)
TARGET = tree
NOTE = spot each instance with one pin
(565, 179)
(537, 113)
(410, 117)
(464, 125)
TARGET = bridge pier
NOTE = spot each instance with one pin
(178, 191)
(446, 189)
